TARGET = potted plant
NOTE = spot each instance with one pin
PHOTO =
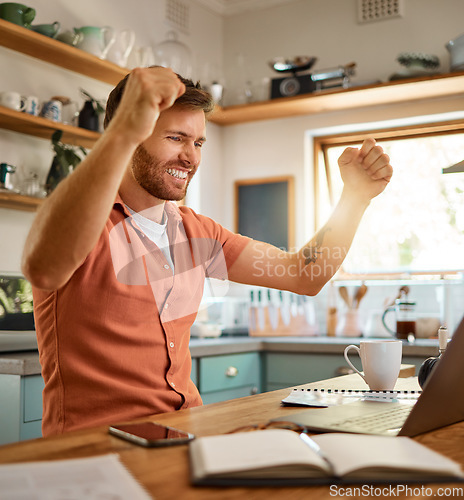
(64, 161)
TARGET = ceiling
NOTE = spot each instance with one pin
(231, 7)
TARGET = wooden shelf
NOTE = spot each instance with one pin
(44, 128)
(55, 52)
(397, 91)
(16, 201)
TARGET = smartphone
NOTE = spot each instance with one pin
(151, 434)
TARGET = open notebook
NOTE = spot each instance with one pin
(279, 457)
(441, 403)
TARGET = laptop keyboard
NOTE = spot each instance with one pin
(391, 418)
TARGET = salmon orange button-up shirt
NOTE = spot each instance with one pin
(114, 340)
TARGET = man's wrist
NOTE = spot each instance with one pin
(355, 200)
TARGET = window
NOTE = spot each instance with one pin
(417, 224)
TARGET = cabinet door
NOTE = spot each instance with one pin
(229, 376)
(194, 371)
(283, 370)
(20, 407)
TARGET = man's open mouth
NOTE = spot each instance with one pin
(178, 174)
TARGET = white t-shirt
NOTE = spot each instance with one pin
(155, 232)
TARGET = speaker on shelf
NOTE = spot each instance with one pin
(291, 86)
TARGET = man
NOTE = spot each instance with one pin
(118, 271)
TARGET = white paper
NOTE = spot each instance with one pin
(94, 478)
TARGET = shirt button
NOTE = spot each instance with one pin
(166, 306)
(166, 266)
(173, 384)
(171, 344)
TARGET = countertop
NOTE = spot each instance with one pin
(27, 362)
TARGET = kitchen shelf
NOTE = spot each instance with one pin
(58, 53)
(44, 128)
(396, 91)
(16, 201)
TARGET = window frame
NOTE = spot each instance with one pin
(322, 143)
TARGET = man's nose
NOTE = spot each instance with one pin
(190, 154)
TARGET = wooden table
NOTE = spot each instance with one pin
(164, 472)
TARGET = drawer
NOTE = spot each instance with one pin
(227, 394)
(32, 394)
(229, 371)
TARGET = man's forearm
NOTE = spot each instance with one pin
(323, 255)
(70, 221)
(307, 270)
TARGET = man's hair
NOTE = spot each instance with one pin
(195, 97)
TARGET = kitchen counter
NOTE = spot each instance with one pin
(315, 345)
(27, 362)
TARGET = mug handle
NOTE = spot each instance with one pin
(22, 105)
(56, 27)
(109, 37)
(387, 310)
(345, 353)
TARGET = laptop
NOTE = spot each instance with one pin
(441, 403)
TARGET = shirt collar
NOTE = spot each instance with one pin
(170, 207)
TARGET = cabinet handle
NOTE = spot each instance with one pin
(343, 370)
(254, 391)
(231, 371)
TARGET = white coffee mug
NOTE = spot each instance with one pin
(12, 100)
(381, 362)
(31, 105)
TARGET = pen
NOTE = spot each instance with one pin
(317, 449)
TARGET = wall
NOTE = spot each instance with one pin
(33, 77)
(328, 30)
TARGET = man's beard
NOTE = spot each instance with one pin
(149, 173)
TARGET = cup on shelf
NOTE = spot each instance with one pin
(96, 40)
(17, 13)
(52, 110)
(31, 105)
(51, 30)
(120, 50)
(12, 100)
(31, 186)
(70, 37)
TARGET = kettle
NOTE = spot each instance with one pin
(95, 40)
(456, 49)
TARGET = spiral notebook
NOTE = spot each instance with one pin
(323, 398)
(441, 403)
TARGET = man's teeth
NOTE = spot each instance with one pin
(177, 173)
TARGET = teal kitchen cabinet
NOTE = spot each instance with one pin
(229, 376)
(283, 370)
(20, 407)
(194, 371)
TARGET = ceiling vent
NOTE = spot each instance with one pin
(177, 15)
(378, 10)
